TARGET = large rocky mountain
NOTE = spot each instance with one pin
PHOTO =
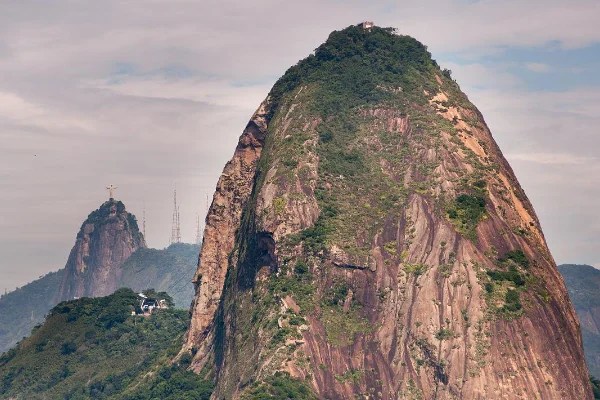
(107, 238)
(368, 239)
(583, 284)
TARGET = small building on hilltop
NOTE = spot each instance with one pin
(148, 304)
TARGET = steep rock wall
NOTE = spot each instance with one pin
(379, 245)
(222, 223)
(105, 241)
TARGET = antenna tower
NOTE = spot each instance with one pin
(144, 222)
(178, 227)
(175, 231)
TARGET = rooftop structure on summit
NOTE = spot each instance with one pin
(367, 25)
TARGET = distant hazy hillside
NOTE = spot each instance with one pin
(583, 284)
(24, 308)
(93, 348)
(170, 270)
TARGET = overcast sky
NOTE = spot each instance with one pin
(149, 95)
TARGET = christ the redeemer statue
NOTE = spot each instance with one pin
(111, 190)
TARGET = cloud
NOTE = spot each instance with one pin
(538, 67)
(551, 158)
(477, 75)
(19, 110)
(456, 26)
(210, 91)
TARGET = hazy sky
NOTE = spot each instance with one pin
(149, 95)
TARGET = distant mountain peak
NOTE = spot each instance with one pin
(106, 239)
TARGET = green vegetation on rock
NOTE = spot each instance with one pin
(350, 66)
(278, 387)
(507, 282)
(342, 323)
(444, 334)
(298, 285)
(314, 238)
(466, 213)
(172, 382)
(353, 70)
(512, 275)
(101, 216)
(517, 256)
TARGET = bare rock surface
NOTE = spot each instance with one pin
(105, 241)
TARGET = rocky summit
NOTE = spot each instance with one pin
(369, 240)
(107, 238)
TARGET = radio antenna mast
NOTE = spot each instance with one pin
(175, 231)
(178, 227)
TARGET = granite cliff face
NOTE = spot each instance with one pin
(105, 241)
(369, 240)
